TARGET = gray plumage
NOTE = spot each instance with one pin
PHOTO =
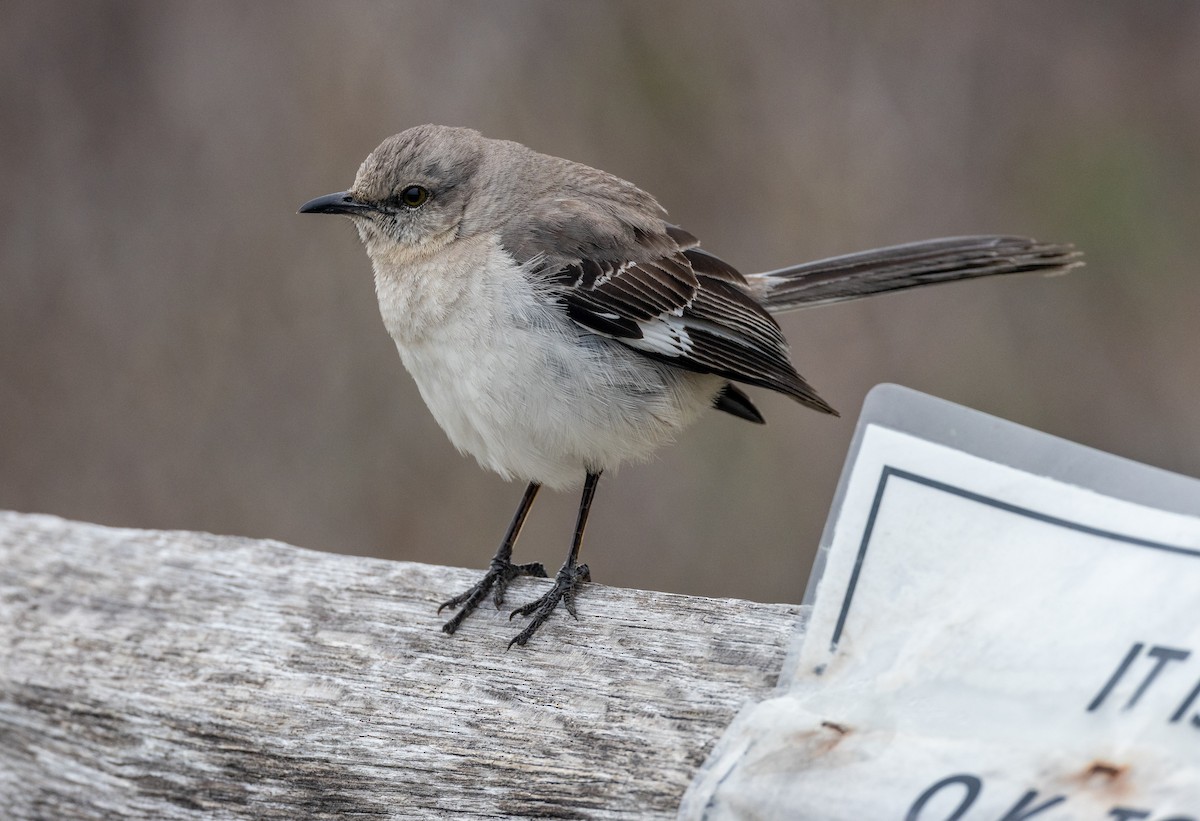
(557, 325)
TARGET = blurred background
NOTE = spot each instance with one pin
(179, 349)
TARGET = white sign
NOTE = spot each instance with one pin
(986, 643)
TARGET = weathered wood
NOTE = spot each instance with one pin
(182, 675)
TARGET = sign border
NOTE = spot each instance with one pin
(942, 422)
(881, 488)
(1007, 443)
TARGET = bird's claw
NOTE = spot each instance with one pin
(497, 577)
(566, 582)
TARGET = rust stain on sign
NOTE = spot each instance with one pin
(1111, 779)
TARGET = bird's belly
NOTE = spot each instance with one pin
(548, 407)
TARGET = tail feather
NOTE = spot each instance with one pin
(906, 266)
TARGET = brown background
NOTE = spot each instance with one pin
(179, 349)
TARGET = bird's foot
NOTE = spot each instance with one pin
(566, 582)
(499, 574)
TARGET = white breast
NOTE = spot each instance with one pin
(514, 382)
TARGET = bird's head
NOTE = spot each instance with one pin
(411, 193)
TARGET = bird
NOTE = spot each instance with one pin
(557, 325)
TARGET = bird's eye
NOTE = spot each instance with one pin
(414, 196)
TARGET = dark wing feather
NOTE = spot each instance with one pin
(599, 245)
(734, 402)
(687, 308)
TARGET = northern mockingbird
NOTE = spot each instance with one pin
(557, 325)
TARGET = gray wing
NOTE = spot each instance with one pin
(648, 286)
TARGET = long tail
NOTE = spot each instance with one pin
(906, 266)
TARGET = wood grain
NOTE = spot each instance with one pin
(169, 675)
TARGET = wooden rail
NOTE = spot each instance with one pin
(167, 675)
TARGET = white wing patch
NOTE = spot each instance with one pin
(612, 272)
(664, 335)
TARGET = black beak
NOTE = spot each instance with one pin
(339, 203)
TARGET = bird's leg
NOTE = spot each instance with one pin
(569, 577)
(500, 572)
